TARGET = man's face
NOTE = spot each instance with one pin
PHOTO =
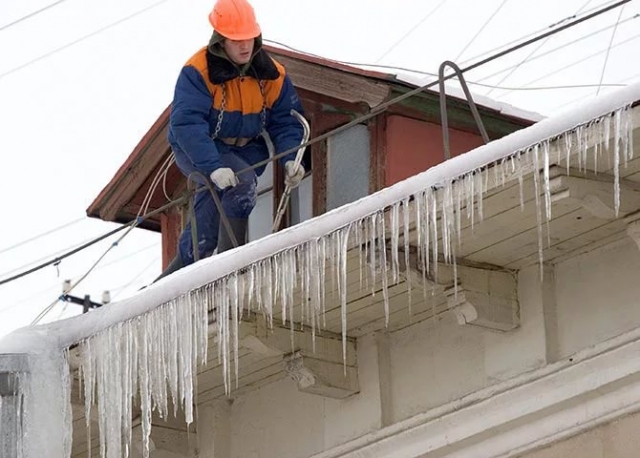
(239, 51)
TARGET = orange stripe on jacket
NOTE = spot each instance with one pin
(243, 92)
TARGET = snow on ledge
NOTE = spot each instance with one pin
(72, 330)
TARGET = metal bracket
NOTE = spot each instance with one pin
(443, 106)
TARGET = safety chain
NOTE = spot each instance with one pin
(263, 112)
(223, 105)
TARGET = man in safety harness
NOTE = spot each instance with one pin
(227, 96)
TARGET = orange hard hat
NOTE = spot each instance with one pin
(234, 19)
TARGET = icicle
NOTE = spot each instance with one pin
(616, 162)
(268, 278)
(372, 253)
(367, 248)
(233, 291)
(359, 233)
(343, 238)
(521, 181)
(433, 205)
(630, 132)
(479, 188)
(568, 146)
(406, 214)
(536, 180)
(323, 269)
(447, 213)
(459, 190)
(469, 181)
(383, 268)
(547, 181)
(395, 235)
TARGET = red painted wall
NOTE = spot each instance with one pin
(414, 146)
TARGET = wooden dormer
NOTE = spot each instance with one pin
(401, 141)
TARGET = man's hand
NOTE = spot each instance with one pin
(224, 177)
(293, 175)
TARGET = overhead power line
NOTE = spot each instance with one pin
(43, 234)
(413, 29)
(30, 15)
(533, 51)
(536, 33)
(473, 83)
(486, 23)
(75, 42)
(576, 62)
(65, 255)
(558, 48)
(606, 58)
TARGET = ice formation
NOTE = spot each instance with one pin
(155, 356)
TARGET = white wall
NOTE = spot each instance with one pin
(598, 296)
(582, 301)
(435, 362)
(618, 439)
(280, 421)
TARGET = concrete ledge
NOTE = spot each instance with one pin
(593, 387)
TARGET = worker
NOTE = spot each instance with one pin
(227, 96)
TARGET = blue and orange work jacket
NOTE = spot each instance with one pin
(262, 97)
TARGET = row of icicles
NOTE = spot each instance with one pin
(152, 360)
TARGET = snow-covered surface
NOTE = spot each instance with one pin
(453, 89)
(149, 345)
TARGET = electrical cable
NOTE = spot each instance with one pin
(535, 33)
(116, 261)
(121, 288)
(571, 102)
(66, 255)
(30, 15)
(558, 48)
(486, 23)
(418, 24)
(92, 34)
(474, 83)
(43, 234)
(591, 56)
(606, 58)
(532, 53)
(134, 223)
(48, 256)
(85, 275)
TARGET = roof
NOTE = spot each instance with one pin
(408, 78)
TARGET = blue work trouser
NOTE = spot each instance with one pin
(237, 202)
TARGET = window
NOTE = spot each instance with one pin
(348, 166)
(261, 218)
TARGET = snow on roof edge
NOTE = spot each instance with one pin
(408, 77)
(482, 100)
(72, 330)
